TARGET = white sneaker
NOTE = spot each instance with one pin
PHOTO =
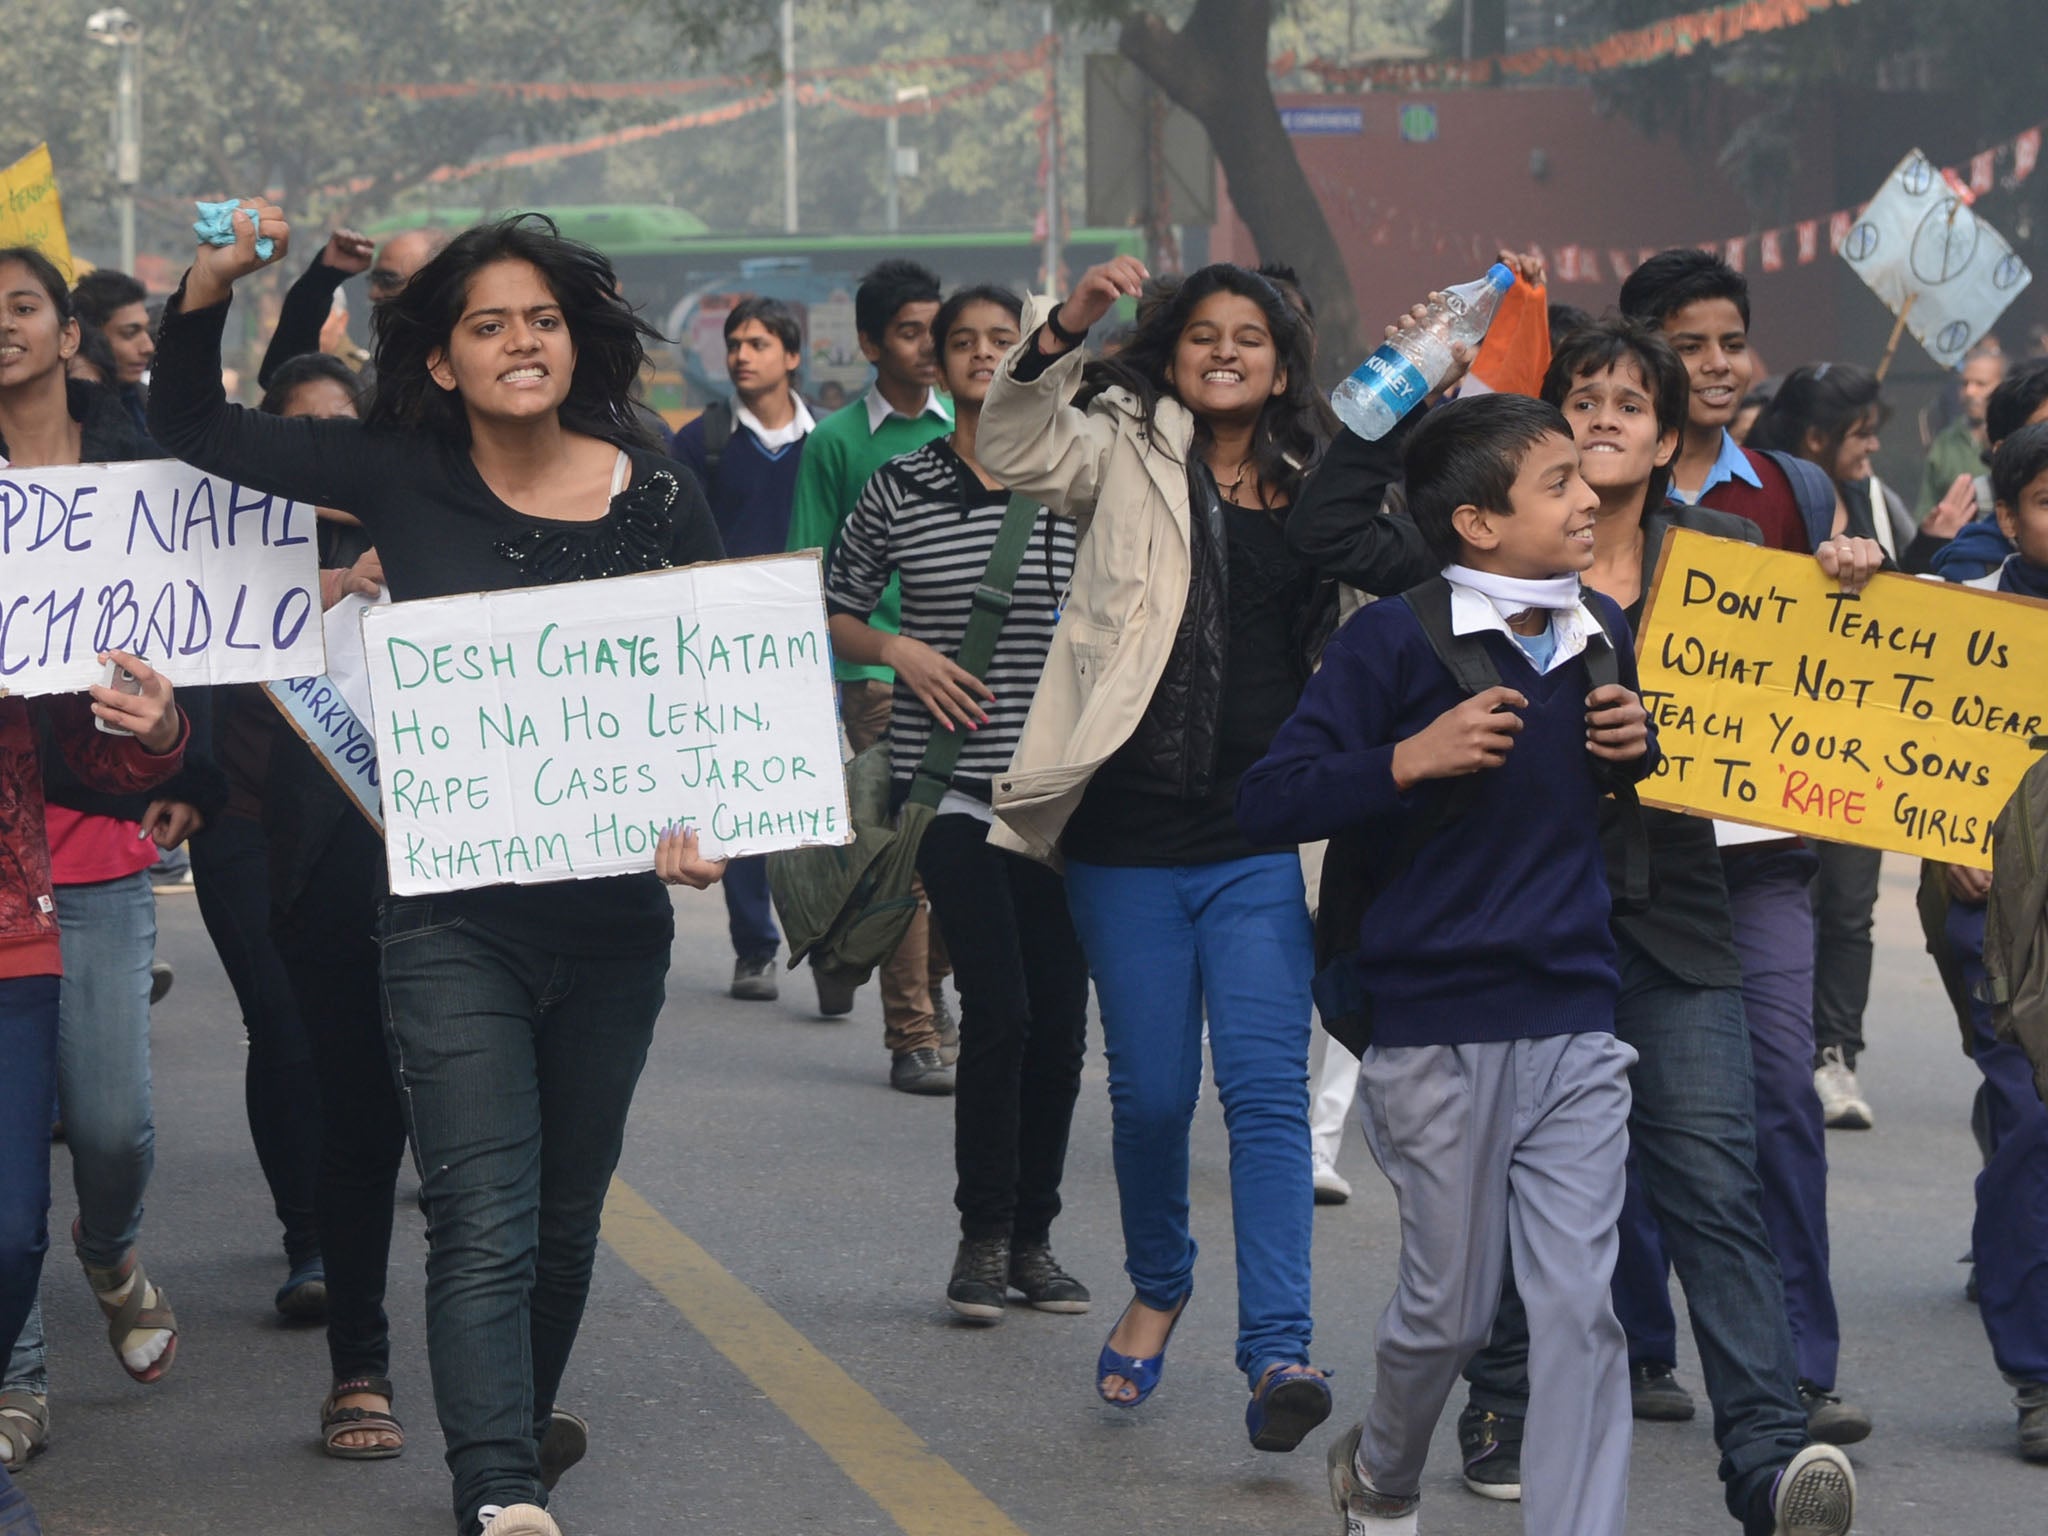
(1332, 1188)
(517, 1520)
(1815, 1495)
(1842, 1107)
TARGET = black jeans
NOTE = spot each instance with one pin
(1023, 983)
(1844, 898)
(231, 878)
(328, 942)
(515, 1071)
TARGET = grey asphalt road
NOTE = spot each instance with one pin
(770, 1142)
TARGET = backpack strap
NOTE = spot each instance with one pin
(978, 645)
(718, 424)
(1812, 491)
(1464, 656)
(1630, 885)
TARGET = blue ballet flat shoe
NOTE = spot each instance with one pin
(1285, 1407)
(1141, 1373)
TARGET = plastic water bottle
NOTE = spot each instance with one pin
(1391, 383)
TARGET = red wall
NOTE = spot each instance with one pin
(1414, 216)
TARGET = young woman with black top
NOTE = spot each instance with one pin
(501, 451)
(1184, 645)
(932, 517)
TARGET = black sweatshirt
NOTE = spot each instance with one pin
(301, 317)
(439, 531)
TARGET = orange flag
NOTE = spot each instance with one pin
(1516, 352)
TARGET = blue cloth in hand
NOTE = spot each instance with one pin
(216, 226)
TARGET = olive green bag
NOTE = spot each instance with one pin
(846, 908)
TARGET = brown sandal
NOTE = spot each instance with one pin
(336, 1421)
(129, 1315)
(25, 1426)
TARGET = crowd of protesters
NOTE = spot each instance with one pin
(1252, 669)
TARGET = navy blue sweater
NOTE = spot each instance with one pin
(1499, 929)
(755, 487)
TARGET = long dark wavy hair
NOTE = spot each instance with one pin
(610, 338)
(1293, 426)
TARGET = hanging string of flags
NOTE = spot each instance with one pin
(1674, 37)
(993, 68)
(1804, 241)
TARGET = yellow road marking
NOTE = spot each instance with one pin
(877, 1450)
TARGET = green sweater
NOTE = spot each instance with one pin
(1953, 452)
(839, 456)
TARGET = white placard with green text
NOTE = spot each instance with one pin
(552, 733)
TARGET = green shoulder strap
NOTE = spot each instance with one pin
(978, 646)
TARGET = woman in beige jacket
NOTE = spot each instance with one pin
(1182, 647)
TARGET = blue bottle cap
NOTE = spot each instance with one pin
(1500, 277)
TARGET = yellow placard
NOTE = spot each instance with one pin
(1900, 718)
(31, 213)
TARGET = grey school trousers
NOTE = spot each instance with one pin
(1521, 1143)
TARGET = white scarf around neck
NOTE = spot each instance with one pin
(1511, 595)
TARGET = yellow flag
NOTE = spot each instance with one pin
(30, 211)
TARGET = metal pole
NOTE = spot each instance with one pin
(789, 116)
(892, 199)
(1052, 156)
(128, 139)
(1468, 28)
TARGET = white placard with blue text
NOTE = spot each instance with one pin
(551, 733)
(207, 580)
(332, 713)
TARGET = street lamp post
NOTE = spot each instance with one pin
(901, 162)
(123, 33)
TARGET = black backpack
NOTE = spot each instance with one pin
(718, 423)
(1358, 866)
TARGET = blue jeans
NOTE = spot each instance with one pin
(1692, 1175)
(2009, 1239)
(1767, 895)
(109, 939)
(515, 1071)
(1163, 944)
(750, 910)
(28, 1087)
(16, 1518)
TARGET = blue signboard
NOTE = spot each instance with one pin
(1312, 120)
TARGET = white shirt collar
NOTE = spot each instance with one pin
(1473, 612)
(796, 427)
(880, 410)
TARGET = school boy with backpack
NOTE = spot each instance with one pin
(1496, 1092)
(745, 452)
(1680, 1006)
(2009, 1239)
(1701, 305)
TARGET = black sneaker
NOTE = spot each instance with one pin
(2032, 1403)
(1830, 1420)
(979, 1290)
(1490, 1445)
(753, 981)
(948, 1028)
(1654, 1394)
(160, 978)
(1035, 1272)
(1815, 1495)
(920, 1071)
(835, 991)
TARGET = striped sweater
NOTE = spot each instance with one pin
(925, 517)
